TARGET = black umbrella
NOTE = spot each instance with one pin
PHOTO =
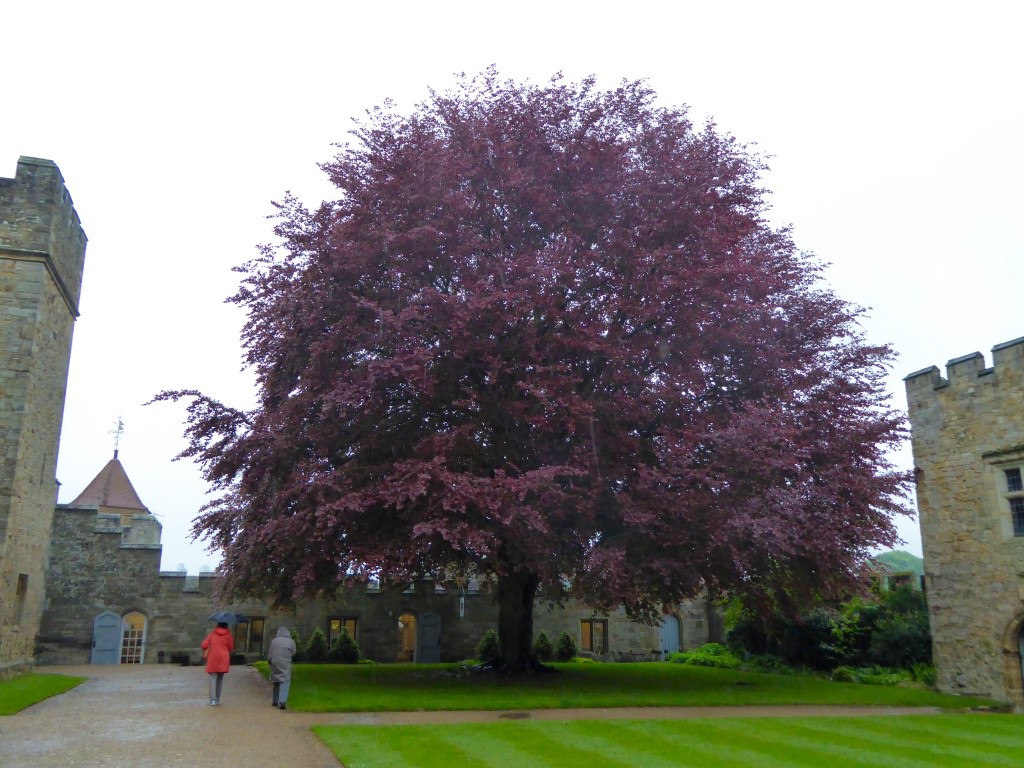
(227, 617)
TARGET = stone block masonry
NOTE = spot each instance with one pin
(42, 255)
(967, 430)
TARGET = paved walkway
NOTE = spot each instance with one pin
(158, 716)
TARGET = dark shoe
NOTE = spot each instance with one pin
(273, 704)
(282, 705)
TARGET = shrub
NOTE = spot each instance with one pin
(812, 640)
(902, 638)
(880, 676)
(344, 650)
(844, 675)
(924, 674)
(488, 649)
(543, 648)
(317, 649)
(708, 655)
(300, 653)
(566, 648)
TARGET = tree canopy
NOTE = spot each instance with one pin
(544, 335)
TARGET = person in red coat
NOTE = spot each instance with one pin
(217, 648)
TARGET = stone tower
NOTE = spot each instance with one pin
(968, 439)
(42, 253)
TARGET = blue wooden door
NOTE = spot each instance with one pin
(669, 636)
(429, 641)
(106, 639)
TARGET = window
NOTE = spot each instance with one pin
(595, 636)
(256, 634)
(1015, 498)
(19, 597)
(249, 635)
(335, 625)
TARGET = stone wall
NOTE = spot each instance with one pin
(967, 429)
(97, 565)
(42, 253)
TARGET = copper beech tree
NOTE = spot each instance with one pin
(545, 336)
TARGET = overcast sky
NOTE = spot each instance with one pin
(895, 130)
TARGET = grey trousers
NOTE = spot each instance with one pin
(216, 685)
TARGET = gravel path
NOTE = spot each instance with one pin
(158, 716)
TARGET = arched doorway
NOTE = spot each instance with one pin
(406, 638)
(1013, 663)
(133, 638)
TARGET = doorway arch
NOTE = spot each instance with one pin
(1013, 662)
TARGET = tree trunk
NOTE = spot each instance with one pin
(516, 593)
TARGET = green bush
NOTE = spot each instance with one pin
(543, 648)
(844, 675)
(488, 649)
(889, 630)
(317, 649)
(708, 655)
(344, 650)
(902, 641)
(566, 648)
(924, 674)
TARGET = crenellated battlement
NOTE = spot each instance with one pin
(968, 370)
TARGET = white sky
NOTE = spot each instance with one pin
(895, 130)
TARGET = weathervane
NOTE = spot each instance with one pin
(117, 435)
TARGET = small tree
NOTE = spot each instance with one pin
(300, 650)
(543, 648)
(317, 649)
(566, 649)
(344, 650)
(488, 650)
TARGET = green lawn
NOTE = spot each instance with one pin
(398, 687)
(872, 742)
(27, 690)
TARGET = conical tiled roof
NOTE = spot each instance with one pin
(111, 488)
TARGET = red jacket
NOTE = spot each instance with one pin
(220, 644)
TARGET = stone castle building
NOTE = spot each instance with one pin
(42, 253)
(967, 432)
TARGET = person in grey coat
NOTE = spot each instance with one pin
(282, 648)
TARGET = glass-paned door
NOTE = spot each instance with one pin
(133, 638)
(406, 638)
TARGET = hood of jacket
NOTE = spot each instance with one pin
(283, 632)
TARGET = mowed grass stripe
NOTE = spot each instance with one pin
(404, 746)
(626, 743)
(915, 741)
(556, 745)
(503, 744)
(847, 742)
(684, 740)
(767, 742)
(361, 746)
(996, 730)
